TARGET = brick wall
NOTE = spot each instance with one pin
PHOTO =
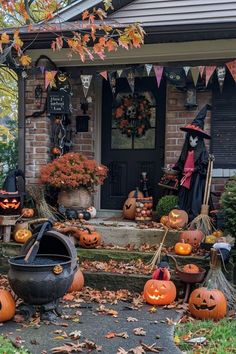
(176, 117)
(38, 130)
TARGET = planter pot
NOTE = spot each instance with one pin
(76, 198)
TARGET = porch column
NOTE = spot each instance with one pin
(21, 122)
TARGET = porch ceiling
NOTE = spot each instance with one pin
(204, 52)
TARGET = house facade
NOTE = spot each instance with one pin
(180, 35)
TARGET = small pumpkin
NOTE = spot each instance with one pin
(7, 306)
(159, 292)
(191, 268)
(207, 303)
(183, 249)
(137, 194)
(129, 208)
(78, 282)
(19, 226)
(210, 239)
(22, 235)
(92, 210)
(89, 238)
(218, 233)
(193, 237)
(27, 212)
(178, 219)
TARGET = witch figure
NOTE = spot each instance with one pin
(192, 165)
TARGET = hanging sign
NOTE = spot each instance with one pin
(232, 68)
(86, 81)
(158, 73)
(58, 102)
(221, 71)
(209, 72)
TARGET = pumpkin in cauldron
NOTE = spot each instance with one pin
(191, 268)
(193, 237)
(207, 303)
(178, 219)
(7, 306)
(89, 238)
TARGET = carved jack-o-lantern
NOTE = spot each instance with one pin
(9, 205)
(207, 304)
(159, 292)
(7, 306)
(178, 219)
(193, 237)
(129, 208)
(89, 239)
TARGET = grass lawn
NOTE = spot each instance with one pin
(6, 347)
(221, 336)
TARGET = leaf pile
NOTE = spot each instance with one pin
(113, 266)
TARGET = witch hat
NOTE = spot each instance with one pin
(197, 124)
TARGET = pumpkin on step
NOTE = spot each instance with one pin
(78, 282)
(193, 237)
(129, 208)
(22, 235)
(178, 219)
(7, 306)
(89, 238)
(183, 249)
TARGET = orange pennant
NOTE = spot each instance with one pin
(232, 68)
(209, 72)
(104, 74)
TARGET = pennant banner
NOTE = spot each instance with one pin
(195, 74)
(119, 72)
(148, 68)
(112, 80)
(221, 71)
(104, 74)
(49, 78)
(131, 79)
(86, 81)
(186, 70)
(209, 72)
(158, 73)
(232, 68)
(201, 70)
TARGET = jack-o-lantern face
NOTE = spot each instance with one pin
(193, 237)
(10, 203)
(89, 239)
(207, 303)
(178, 219)
(159, 292)
(129, 208)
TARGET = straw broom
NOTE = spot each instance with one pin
(215, 279)
(203, 221)
(43, 209)
(157, 256)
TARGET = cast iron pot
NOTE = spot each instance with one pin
(44, 281)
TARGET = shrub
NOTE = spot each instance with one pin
(166, 204)
(228, 205)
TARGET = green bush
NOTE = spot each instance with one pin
(166, 204)
(6, 347)
(228, 205)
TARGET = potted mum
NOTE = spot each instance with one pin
(75, 177)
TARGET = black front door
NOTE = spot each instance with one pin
(132, 138)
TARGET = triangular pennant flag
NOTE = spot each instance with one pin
(131, 79)
(119, 72)
(232, 68)
(42, 68)
(49, 78)
(86, 81)
(221, 71)
(186, 70)
(195, 74)
(148, 68)
(158, 73)
(104, 74)
(201, 70)
(209, 72)
(112, 80)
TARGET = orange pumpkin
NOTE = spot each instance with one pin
(193, 237)
(164, 220)
(207, 303)
(7, 306)
(159, 292)
(191, 268)
(129, 208)
(89, 238)
(135, 194)
(22, 235)
(183, 249)
(178, 219)
(27, 212)
(218, 233)
(78, 282)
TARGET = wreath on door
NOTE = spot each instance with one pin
(132, 116)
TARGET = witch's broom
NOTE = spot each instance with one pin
(203, 221)
(215, 279)
(156, 259)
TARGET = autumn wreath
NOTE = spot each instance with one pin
(132, 116)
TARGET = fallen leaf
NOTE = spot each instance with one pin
(110, 335)
(170, 322)
(75, 334)
(123, 335)
(121, 351)
(132, 319)
(152, 309)
(139, 331)
(68, 297)
(18, 318)
(137, 350)
(68, 348)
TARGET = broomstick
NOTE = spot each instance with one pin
(215, 279)
(203, 221)
(157, 256)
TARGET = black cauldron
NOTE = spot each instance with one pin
(43, 282)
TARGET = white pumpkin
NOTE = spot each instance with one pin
(92, 211)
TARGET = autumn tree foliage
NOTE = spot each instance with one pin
(93, 37)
